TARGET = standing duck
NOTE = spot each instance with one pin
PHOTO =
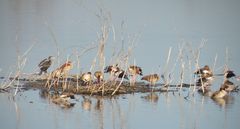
(63, 70)
(133, 72)
(152, 78)
(45, 64)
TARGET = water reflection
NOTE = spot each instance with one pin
(86, 103)
(151, 97)
(120, 112)
(225, 102)
(62, 100)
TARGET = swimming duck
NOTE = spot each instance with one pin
(229, 74)
(228, 86)
(221, 93)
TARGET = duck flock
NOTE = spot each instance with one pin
(204, 76)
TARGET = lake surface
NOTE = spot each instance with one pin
(153, 27)
(134, 111)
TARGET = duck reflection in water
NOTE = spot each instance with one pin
(99, 104)
(206, 92)
(86, 103)
(225, 101)
(62, 100)
(152, 97)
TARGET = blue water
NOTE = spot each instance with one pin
(154, 26)
(125, 111)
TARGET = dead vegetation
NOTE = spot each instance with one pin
(60, 80)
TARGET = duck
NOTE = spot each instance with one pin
(229, 86)
(205, 72)
(152, 78)
(229, 74)
(112, 69)
(220, 94)
(63, 70)
(99, 76)
(122, 74)
(86, 77)
(45, 64)
(133, 72)
(205, 81)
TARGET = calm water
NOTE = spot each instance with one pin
(125, 111)
(154, 25)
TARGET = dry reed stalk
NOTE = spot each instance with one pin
(166, 81)
(78, 67)
(197, 61)
(52, 34)
(215, 62)
(65, 77)
(182, 74)
(126, 64)
(181, 58)
(226, 57)
(196, 55)
(21, 62)
(4, 83)
(190, 70)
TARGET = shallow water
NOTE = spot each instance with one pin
(164, 110)
(72, 25)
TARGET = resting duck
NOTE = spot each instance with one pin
(122, 74)
(86, 77)
(204, 72)
(112, 69)
(99, 76)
